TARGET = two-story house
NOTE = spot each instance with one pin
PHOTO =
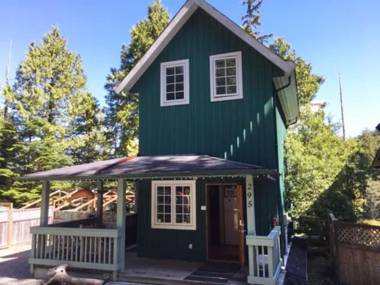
(214, 108)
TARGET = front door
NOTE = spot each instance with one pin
(225, 223)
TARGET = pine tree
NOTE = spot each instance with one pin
(86, 130)
(122, 109)
(51, 110)
(252, 20)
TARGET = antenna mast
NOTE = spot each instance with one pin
(341, 107)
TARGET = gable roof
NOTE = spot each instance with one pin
(174, 27)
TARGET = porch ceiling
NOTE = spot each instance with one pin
(152, 167)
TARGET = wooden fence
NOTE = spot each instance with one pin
(356, 252)
(15, 224)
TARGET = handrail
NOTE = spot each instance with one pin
(265, 257)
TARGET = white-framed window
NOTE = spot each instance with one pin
(226, 76)
(175, 83)
(174, 205)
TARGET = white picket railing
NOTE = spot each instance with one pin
(88, 248)
(265, 258)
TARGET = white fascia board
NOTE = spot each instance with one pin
(178, 22)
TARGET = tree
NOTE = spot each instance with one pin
(252, 20)
(8, 142)
(122, 109)
(86, 134)
(51, 110)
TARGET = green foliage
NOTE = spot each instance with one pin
(307, 83)
(252, 20)
(325, 172)
(86, 133)
(122, 109)
(51, 119)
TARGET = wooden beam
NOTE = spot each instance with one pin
(99, 200)
(120, 221)
(44, 217)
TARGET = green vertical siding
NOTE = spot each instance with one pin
(242, 130)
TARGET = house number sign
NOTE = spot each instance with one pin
(250, 195)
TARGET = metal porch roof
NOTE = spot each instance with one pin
(151, 167)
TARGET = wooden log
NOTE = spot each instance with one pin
(59, 275)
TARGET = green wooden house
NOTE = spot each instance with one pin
(208, 88)
(215, 105)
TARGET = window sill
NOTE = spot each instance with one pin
(226, 98)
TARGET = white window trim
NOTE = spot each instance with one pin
(239, 77)
(173, 225)
(186, 87)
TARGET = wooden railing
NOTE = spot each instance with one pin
(266, 254)
(77, 247)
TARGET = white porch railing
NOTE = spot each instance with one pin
(265, 258)
(78, 247)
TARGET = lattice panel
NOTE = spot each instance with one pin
(362, 235)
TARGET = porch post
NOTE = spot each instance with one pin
(44, 214)
(99, 201)
(250, 203)
(120, 222)
(251, 222)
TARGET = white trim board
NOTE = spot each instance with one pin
(174, 27)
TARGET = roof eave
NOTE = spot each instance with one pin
(158, 175)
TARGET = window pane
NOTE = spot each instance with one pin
(179, 200)
(180, 95)
(160, 218)
(160, 190)
(167, 200)
(186, 219)
(170, 96)
(220, 63)
(160, 209)
(170, 70)
(160, 199)
(231, 62)
(167, 190)
(221, 81)
(220, 90)
(167, 209)
(231, 89)
(167, 218)
(179, 78)
(179, 219)
(179, 87)
(231, 80)
(186, 190)
(170, 88)
(170, 79)
(231, 71)
(220, 72)
(179, 70)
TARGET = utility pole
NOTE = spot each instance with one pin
(341, 108)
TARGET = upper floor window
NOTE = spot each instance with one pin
(226, 76)
(175, 83)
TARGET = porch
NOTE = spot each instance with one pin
(90, 245)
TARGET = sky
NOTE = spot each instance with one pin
(335, 36)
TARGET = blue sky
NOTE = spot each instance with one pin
(335, 36)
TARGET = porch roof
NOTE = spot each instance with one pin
(151, 167)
